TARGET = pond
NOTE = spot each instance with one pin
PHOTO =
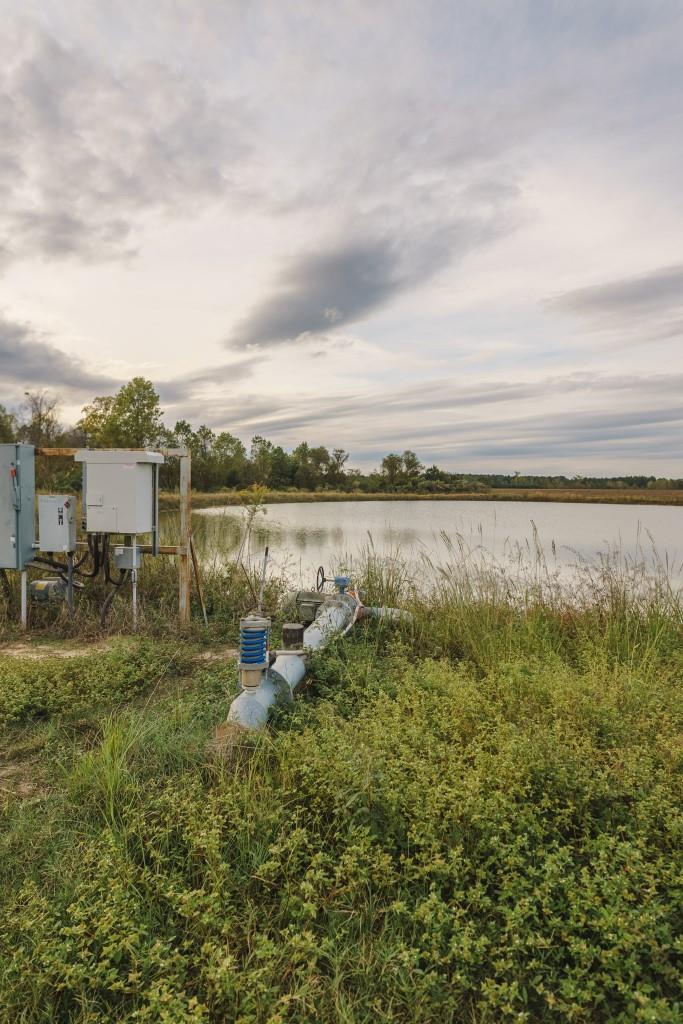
(555, 535)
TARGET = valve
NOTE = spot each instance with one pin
(340, 582)
(253, 654)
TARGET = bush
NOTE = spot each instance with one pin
(41, 688)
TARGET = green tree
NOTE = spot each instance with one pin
(41, 424)
(131, 418)
(8, 426)
(96, 421)
(335, 470)
(392, 468)
(261, 459)
(412, 467)
(232, 459)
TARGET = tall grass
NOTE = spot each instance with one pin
(471, 816)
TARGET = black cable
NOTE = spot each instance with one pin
(81, 560)
(52, 562)
(109, 598)
(107, 572)
(94, 550)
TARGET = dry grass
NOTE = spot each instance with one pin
(611, 496)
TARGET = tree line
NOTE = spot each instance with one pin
(133, 418)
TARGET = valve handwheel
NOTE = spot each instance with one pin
(320, 580)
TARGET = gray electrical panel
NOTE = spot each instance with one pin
(57, 522)
(17, 501)
(120, 490)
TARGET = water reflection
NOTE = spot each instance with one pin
(553, 536)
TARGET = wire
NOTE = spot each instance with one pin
(94, 551)
(109, 598)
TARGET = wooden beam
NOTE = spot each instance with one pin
(146, 549)
(167, 452)
(56, 451)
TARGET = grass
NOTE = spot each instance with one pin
(474, 816)
(168, 500)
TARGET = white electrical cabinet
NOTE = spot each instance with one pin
(120, 489)
(57, 522)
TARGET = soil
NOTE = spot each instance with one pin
(38, 652)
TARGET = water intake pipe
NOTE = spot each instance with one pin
(261, 688)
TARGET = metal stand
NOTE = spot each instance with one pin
(184, 552)
(24, 601)
(134, 580)
(70, 582)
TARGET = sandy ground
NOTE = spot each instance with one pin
(21, 775)
(38, 652)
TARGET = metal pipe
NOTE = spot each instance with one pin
(251, 707)
(392, 614)
(24, 599)
(134, 581)
(70, 582)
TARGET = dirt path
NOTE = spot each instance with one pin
(38, 652)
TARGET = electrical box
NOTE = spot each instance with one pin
(127, 557)
(57, 522)
(17, 505)
(120, 490)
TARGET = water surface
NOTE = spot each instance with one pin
(302, 536)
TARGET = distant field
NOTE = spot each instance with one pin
(623, 496)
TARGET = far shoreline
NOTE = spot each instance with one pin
(168, 500)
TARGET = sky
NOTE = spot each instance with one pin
(454, 227)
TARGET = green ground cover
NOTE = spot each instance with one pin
(473, 817)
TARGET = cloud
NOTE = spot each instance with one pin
(88, 147)
(28, 361)
(189, 385)
(323, 290)
(646, 306)
(569, 421)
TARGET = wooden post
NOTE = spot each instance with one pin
(198, 581)
(184, 548)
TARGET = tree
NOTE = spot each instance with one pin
(8, 426)
(392, 466)
(41, 425)
(412, 467)
(130, 419)
(261, 459)
(232, 459)
(96, 421)
(136, 415)
(335, 470)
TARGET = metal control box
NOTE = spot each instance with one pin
(120, 490)
(17, 505)
(57, 522)
(127, 557)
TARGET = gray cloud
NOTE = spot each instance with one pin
(322, 290)
(329, 288)
(27, 360)
(188, 385)
(622, 417)
(646, 306)
(88, 147)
